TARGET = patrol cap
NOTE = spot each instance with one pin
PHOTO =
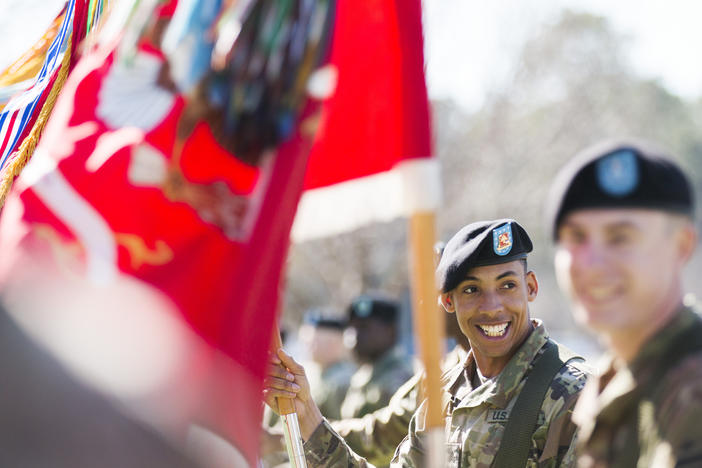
(372, 306)
(619, 175)
(479, 244)
(324, 318)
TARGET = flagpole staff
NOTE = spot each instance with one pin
(291, 425)
(429, 327)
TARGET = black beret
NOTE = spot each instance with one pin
(323, 318)
(370, 306)
(619, 175)
(479, 244)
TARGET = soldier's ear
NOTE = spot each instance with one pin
(447, 303)
(532, 285)
(686, 237)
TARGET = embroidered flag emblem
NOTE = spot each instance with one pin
(502, 239)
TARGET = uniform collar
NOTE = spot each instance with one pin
(500, 391)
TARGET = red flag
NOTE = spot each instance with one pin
(375, 137)
(111, 194)
(111, 197)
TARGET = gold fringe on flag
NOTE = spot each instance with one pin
(26, 149)
(29, 63)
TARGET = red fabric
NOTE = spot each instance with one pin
(226, 287)
(379, 114)
(80, 26)
(166, 9)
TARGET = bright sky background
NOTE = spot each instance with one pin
(469, 42)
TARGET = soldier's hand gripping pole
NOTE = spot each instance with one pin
(291, 425)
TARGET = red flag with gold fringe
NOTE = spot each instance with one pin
(136, 223)
(134, 205)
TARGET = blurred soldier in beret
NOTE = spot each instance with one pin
(383, 367)
(375, 436)
(621, 215)
(515, 385)
(323, 334)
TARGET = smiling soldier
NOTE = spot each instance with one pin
(511, 399)
(622, 217)
(509, 402)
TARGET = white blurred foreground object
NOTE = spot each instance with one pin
(124, 340)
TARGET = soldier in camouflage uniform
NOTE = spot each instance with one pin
(322, 332)
(375, 436)
(622, 219)
(484, 280)
(383, 367)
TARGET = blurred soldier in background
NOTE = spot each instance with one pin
(323, 335)
(329, 372)
(383, 366)
(621, 215)
(383, 391)
(375, 436)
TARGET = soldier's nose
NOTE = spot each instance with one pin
(491, 303)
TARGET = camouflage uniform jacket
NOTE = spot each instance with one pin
(666, 402)
(331, 389)
(374, 384)
(477, 416)
(375, 436)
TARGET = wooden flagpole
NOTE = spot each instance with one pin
(429, 327)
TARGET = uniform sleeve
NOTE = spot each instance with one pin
(377, 435)
(410, 452)
(331, 399)
(559, 449)
(393, 381)
(679, 417)
(326, 448)
(561, 433)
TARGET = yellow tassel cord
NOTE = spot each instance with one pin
(26, 149)
(29, 64)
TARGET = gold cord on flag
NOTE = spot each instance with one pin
(28, 64)
(26, 149)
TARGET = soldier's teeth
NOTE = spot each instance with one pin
(494, 330)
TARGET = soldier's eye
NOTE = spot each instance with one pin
(619, 239)
(571, 236)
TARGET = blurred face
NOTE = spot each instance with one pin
(491, 305)
(325, 345)
(373, 337)
(622, 267)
